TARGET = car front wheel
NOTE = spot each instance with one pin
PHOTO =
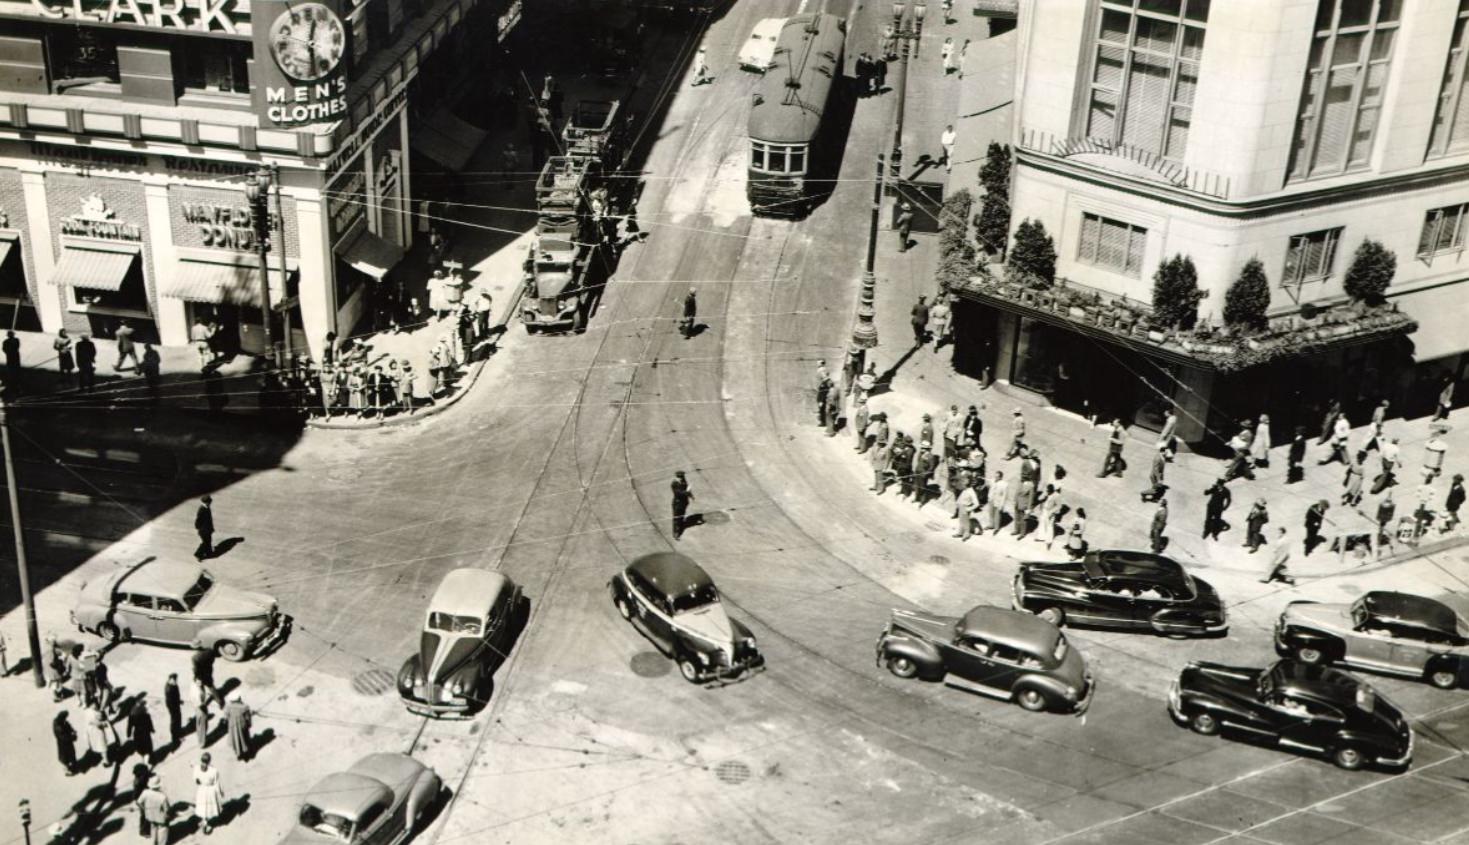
(109, 632)
(1053, 615)
(1310, 654)
(230, 650)
(1031, 700)
(1347, 758)
(1204, 723)
(903, 667)
(688, 669)
(1443, 676)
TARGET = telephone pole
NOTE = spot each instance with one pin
(33, 632)
(280, 217)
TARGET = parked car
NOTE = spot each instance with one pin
(1295, 705)
(759, 49)
(1003, 653)
(179, 604)
(381, 800)
(1394, 633)
(671, 600)
(469, 628)
(1118, 588)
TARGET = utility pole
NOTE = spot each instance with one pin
(864, 333)
(280, 216)
(257, 191)
(33, 632)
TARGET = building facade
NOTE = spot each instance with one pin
(129, 130)
(1288, 131)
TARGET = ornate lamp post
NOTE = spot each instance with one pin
(257, 192)
(864, 332)
(908, 31)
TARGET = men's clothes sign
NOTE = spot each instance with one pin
(301, 51)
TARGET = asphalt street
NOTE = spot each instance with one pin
(555, 470)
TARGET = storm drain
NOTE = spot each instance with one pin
(732, 772)
(373, 682)
(650, 664)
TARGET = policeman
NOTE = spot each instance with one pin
(690, 308)
(681, 498)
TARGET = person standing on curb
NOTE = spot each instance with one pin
(101, 736)
(953, 433)
(940, 315)
(1076, 535)
(126, 349)
(823, 389)
(1279, 558)
(1260, 446)
(968, 504)
(860, 417)
(882, 456)
(1255, 526)
(66, 738)
(65, 362)
(199, 697)
(1024, 504)
(682, 496)
(920, 321)
(999, 501)
(153, 806)
(86, 364)
(1160, 525)
(204, 525)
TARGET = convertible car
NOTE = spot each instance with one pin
(1393, 633)
(381, 800)
(1295, 705)
(1116, 588)
(467, 632)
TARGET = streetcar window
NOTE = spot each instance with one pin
(757, 156)
(798, 160)
(776, 160)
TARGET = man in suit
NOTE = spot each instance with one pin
(204, 524)
(86, 363)
(1160, 524)
(1219, 501)
(682, 496)
(1315, 516)
(153, 806)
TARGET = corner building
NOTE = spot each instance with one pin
(1283, 130)
(128, 129)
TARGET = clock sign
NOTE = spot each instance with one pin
(308, 41)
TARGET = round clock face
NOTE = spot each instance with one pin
(307, 41)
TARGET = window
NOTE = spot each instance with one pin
(170, 605)
(137, 600)
(452, 624)
(778, 158)
(976, 645)
(1145, 69)
(215, 67)
(1310, 257)
(79, 55)
(1443, 231)
(1345, 77)
(1112, 244)
(1451, 121)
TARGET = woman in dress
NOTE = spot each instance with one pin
(1260, 447)
(357, 391)
(101, 735)
(1076, 536)
(208, 796)
(65, 362)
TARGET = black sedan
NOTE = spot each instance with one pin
(1295, 705)
(1118, 588)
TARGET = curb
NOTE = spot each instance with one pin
(466, 384)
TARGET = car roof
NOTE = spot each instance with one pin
(1139, 566)
(1316, 681)
(159, 578)
(768, 27)
(348, 794)
(1411, 610)
(468, 592)
(671, 573)
(1014, 628)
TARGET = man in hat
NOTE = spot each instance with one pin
(1220, 498)
(967, 504)
(690, 313)
(1017, 434)
(1453, 502)
(153, 805)
(924, 464)
(833, 409)
(1315, 516)
(1156, 473)
(682, 496)
(204, 524)
(920, 321)
(904, 226)
(1160, 524)
(953, 432)
(1255, 526)
(860, 417)
(1113, 463)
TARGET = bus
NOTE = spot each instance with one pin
(792, 137)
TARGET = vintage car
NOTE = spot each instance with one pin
(381, 800)
(1294, 705)
(672, 601)
(759, 49)
(1118, 588)
(468, 630)
(1003, 653)
(1394, 633)
(178, 604)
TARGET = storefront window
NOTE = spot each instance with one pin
(1035, 367)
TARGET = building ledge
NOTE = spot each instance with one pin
(1309, 331)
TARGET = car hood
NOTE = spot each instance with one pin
(710, 623)
(1053, 576)
(441, 655)
(1332, 617)
(224, 602)
(551, 284)
(1073, 667)
(926, 626)
(1217, 679)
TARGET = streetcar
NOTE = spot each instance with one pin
(793, 134)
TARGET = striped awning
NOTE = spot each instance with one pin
(369, 253)
(215, 284)
(101, 267)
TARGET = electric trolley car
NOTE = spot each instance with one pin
(791, 130)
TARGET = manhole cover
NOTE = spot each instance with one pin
(650, 664)
(732, 772)
(938, 559)
(372, 682)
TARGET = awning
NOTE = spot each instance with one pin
(212, 283)
(446, 140)
(95, 267)
(1441, 313)
(369, 253)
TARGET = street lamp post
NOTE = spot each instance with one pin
(864, 332)
(907, 32)
(257, 192)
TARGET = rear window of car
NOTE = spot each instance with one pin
(450, 623)
(694, 599)
(326, 824)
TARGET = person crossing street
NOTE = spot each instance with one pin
(690, 313)
(682, 496)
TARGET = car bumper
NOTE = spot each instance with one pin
(451, 707)
(1403, 761)
(1087, 696)
(738, 671)
(272, 637)
(1175, 703)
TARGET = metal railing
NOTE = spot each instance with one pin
(1192, 179)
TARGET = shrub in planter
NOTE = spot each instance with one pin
(1033, 254)
(1176, 293)
(1372, 270)
(1248, 298)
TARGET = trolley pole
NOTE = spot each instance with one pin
(280, 216)
(33, 632)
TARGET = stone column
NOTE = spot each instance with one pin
(38, 217)
(317, 290)
(169, 313)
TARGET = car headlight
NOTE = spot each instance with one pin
(1071, 693)
(749, 642)
(703, 658)
(457, 686)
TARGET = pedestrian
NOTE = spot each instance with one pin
(1315, 516)
(1156, 487)
(1167, 436)
(881, 459)
(208, 794)
(12, 358)
(823, 389)
(199, 697)
(237, 715)
(889, 44)
(1219, 500)
(84, 668)
(123, 337)
(1379, 414)
(904, 225)
(140, 730)
(867, 381)
(948, 8)
(65, 362)
(833, 409)
(1241, 465)
(1352, 482)
(690, 313)
(66, 738)
(1294, 471)
(1386, 510)
(946, 143)
(204, 525)
(973, 429)
(1391, 460)
(925, 431)
(946, 53)
(1113, 463)
(101, 736)
(1328, 423)
(1049, 521)
(878, 430)
(1260, 446)
(920, 321)
(1017, 434)
(924, 464)
(963, 57)
(999, 502)
(901, 465)
(967, 504)
(940, 316)
(1255, 526)
(682, 496)
(174, 704)
(953, 432)
(86, 352)
(1279, 557)
(152, 367)
(1445, 399)
(1453, 502)
(1160, 525)
(481, 307)
(861, 416)
(1076, 535)
(1340, 431)
(153, 807)
(56, 664)
(106, 694)
(1024, 504)
(701, 66)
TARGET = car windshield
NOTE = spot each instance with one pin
(1366, 699)
(695, 598)
(1060, 653)
(451, 624)
(327, 824)
(197, 592)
